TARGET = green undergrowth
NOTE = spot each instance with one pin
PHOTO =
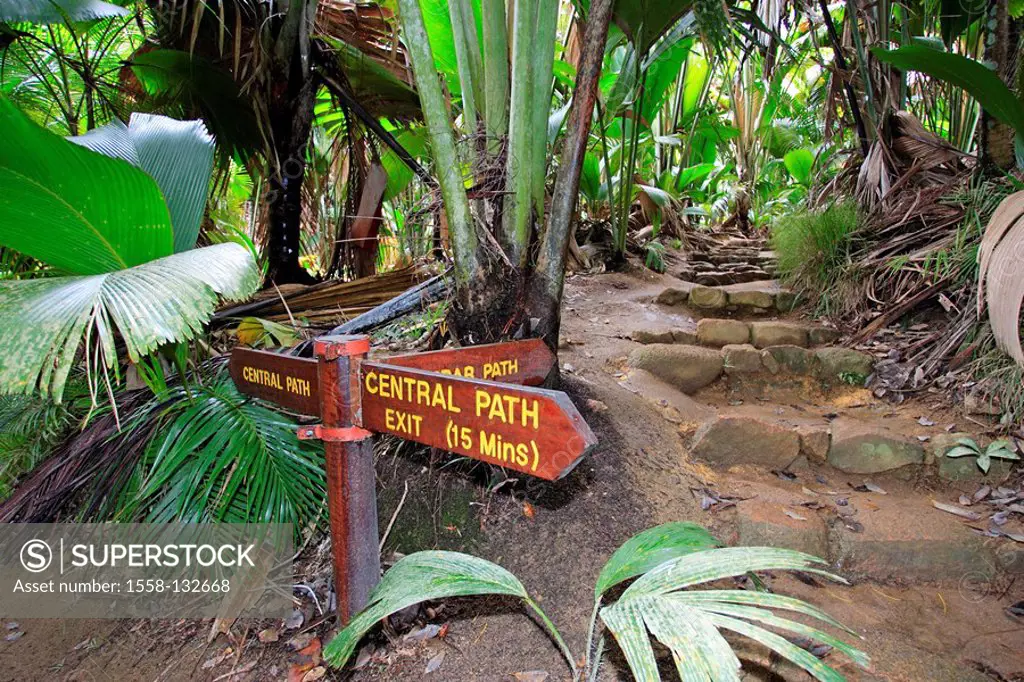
(813, 248)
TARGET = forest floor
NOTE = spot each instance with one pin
(918, 623)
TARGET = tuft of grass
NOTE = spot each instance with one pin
(813, 248)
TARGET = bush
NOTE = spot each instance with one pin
(814, 248)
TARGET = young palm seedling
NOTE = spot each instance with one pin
(997, 449)
(664, 564)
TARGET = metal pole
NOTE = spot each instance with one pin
(351, 482)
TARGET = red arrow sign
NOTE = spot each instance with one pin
(513, 362)
(288, 381)
(532, 430)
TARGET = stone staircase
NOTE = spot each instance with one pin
(736, 260)
(754, 393)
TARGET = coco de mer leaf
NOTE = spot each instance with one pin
(57, 11)
(76, 210)
(169, 299)
(177, 154)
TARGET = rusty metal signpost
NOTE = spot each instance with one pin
(477, 401)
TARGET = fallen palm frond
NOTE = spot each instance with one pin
(327, 304)
(999, 282)
(80, 471)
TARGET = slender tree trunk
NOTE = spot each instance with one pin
(291, 99)
(548, 279)
(997, 138)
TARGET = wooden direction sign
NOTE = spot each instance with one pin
(287, 381)
(516, 362)
(466, 401)
(532, 430)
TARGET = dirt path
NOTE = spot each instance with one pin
(557, 537)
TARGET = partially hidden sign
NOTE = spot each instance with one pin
(531, 430)
(515, 362)
(282, 379)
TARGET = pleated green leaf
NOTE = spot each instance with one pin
(651, 548)
(782, 646)
(57, 11)
(699, 651)
(168, 299)
(768, 618)
(625, 621)
(177, 154)
(706, 566)
(218, 456)
(688, 622)
(79, 211)
(421, 577)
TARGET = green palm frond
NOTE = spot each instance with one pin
(218, 456)
(689, 622)
(664, 561)
(30, 427)
(421, 577)
(650, 548)
(168, 299)
(178, 155)
(54, 193)
(102, 217)
(57, 11)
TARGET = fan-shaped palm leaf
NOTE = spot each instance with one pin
(57, 11)
(168, 299)
(688, 623)
(54, 194)
(177, 154)
(421, 577)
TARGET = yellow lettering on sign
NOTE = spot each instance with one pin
(297, 386)
(402, 422)
(500, 368)
(262, 377)
(508, 409)
(411, 390)
(493, 446)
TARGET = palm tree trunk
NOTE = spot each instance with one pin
(291, 99)
(548, 278)
(997, 138)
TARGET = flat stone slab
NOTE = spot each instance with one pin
(791, 359)
(688, 368)
(647, 336)
(730, 440)
(718, 333)
(675, 295)
(765, 334)
(860, 449)
(837, 361)
(708, 298)
(899, 543)
(752, 299)
(742, 359)
(766, 524)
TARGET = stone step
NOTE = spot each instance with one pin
(718, 333)
(899, 537)
(758, 296)
(692, 367)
